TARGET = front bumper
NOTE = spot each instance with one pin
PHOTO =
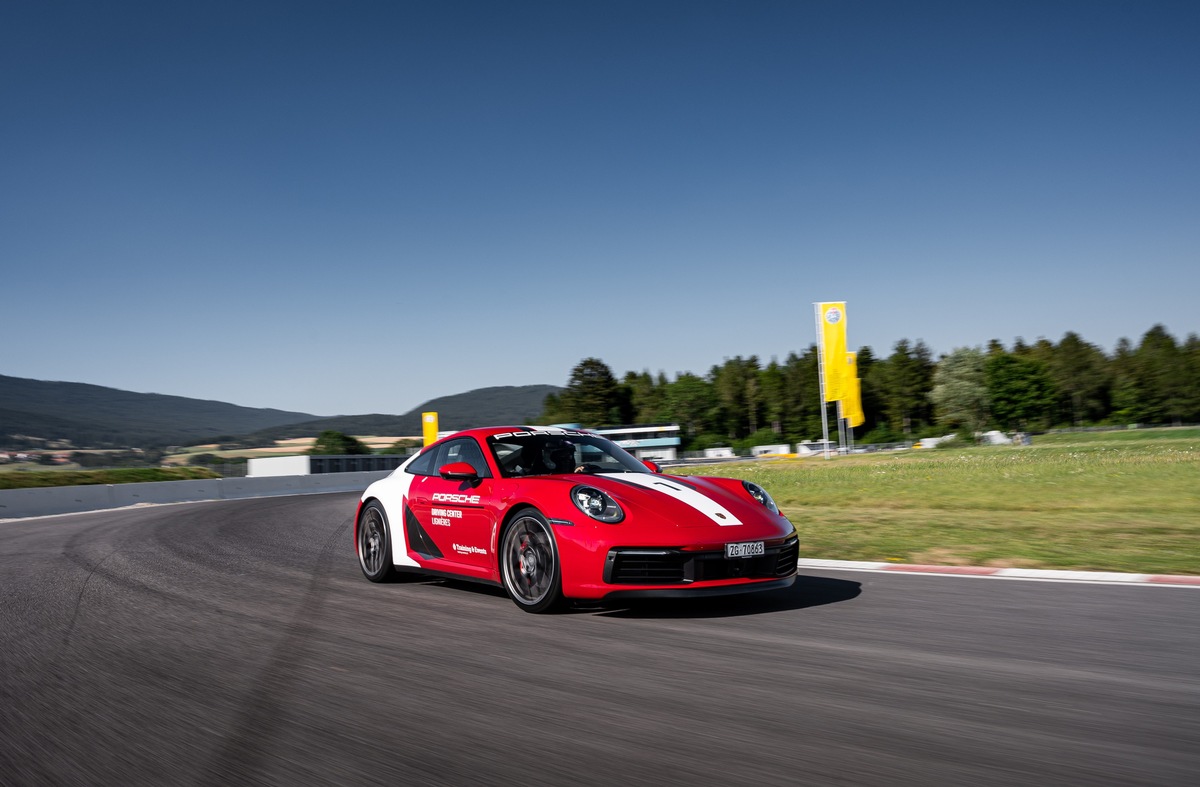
(641, 566)
(703, 591)
(681, 572)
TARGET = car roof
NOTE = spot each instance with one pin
(482, 432)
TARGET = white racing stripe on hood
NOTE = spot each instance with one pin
(702, 503)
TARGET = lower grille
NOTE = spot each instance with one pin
(786, 559)
(628, 566)
(645, 567)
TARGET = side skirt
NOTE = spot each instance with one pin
(433, 574)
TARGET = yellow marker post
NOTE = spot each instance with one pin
(429, 426)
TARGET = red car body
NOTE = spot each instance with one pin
(448, 511)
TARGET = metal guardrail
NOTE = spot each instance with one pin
(350, 463)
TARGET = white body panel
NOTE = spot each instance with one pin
(393, 493)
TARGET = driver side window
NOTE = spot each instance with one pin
(425, 463)
(464, 450)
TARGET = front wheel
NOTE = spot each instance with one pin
(375, 544)
(529, 563)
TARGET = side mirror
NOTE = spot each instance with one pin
(458, 471)
(654, 468)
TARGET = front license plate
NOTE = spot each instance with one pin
(745, 549)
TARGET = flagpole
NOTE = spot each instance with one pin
(841, 419)
(821, 379)
(850, 431)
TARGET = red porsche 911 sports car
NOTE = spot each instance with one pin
(555, 514)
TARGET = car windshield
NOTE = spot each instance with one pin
(549, 452)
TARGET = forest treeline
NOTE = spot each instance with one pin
(907, 395)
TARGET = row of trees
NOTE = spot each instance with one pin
(130, 458)
(906, 395)
(334, 443)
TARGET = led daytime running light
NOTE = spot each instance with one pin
(760, 494)
(596, 504)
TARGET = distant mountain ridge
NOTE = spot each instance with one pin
(499, 405)
(95, 415)
(99, 417)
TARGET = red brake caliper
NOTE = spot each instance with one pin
(524, 546)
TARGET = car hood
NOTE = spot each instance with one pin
(684, 502)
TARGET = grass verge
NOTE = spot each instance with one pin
(1120, 504)
(122, 475)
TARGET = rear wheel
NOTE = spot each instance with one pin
(375, 544)
(529, 563)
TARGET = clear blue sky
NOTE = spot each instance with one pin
(357, 207)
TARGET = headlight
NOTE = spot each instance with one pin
(596, 504)
(760, 494)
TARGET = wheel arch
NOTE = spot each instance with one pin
(509, 517)
(553, 599)
(386, 569)
(363, 503)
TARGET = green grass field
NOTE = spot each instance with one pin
(1115, 501)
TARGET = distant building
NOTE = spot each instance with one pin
(645, 441)
(770, 450)
(262, 466)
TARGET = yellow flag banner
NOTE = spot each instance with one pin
(833, 348)
(852, 402)
(429, 427)
(852, 407)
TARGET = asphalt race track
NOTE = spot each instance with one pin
(236, 642)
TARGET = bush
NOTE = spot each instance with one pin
(403, 446)
(960, 440)
(761, 437)
(333, 443)
(85, 459)
(213, 459)
(707, 440)
(129, 458)
(935, 430)
(880, 434)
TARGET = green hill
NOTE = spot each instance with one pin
(481, 407)
(100, 417)
(93, 416)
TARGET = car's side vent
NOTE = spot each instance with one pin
(418, 540)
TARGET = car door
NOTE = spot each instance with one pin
(457, 515)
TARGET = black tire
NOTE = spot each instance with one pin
(374, 545)
(529, 564)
